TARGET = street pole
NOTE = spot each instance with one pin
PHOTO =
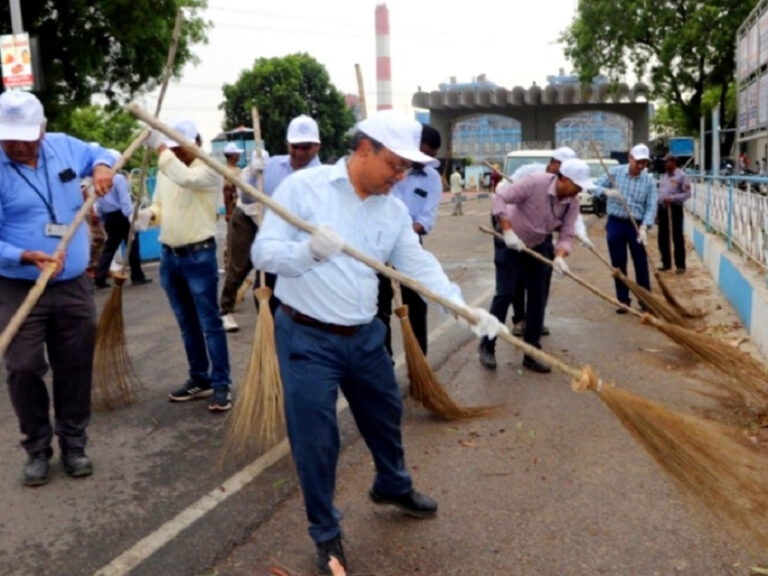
(16, 25)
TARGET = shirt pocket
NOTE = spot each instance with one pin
(379, 240)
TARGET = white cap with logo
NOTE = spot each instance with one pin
(578, 172)
(232, 148)
(564, 153)
(21, 116)
(640, 152)
(303, 130)
(186, 127)
(402, 135)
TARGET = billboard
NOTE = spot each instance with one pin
(17, 62)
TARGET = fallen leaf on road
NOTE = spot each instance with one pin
(468, 443)
(651, 350)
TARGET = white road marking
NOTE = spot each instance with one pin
(153, 542)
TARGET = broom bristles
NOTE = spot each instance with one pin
(745, 375)
(674, 302)
(113, 371)
(425, 387)
(651, 302)
(258, 421)
(709, 461)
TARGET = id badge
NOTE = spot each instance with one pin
(53, 230)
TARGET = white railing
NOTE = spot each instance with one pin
(740, 216)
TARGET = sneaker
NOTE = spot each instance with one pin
(487, 357)
(229, 323)
(191, 391)
(412, 503)
(325, 551)
(221, 401)
(37, 470)
(518, 329)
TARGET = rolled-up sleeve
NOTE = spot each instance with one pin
(568, 229)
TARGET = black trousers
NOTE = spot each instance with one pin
(241, 233)
(678, 237)
(117, 226)
(417, 312)
(63, 324)
(514, 268)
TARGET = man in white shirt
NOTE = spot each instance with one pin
(326, 330)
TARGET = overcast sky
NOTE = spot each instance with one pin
(513, 43)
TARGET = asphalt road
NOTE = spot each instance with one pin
(551, 484)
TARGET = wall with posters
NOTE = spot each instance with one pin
(752, 85)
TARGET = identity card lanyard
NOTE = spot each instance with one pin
(53, 228)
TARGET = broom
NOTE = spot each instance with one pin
(424, 385)
(17, 320)
(258, 419)
(112, 369)
(745, 374)
(706, 460)
(243, 290)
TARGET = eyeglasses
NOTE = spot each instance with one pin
(401, 167)
(304, 147)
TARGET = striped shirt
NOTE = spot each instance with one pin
(639, 192)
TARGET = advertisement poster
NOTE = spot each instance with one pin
(762, 104)
(753, 48)
(741, 58)
(17, 62)
(743, 111)
(752, 106)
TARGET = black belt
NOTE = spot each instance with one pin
(187, 249)
(305, 320)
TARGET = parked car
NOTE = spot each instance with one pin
(587, 202)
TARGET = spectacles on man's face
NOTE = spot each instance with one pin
(397, 164)
(302, 147)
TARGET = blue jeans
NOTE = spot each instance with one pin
(313, 365)
(191, 283)
(621, 234)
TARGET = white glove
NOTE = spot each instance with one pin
(642, 236)
(325, 243)
(154, 139)
(580, 230)
(259, 162)
(512, 240)
(611, 193)
(486, 325)
(560, 266)
(143, 218)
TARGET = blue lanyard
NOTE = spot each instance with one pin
(48, 202)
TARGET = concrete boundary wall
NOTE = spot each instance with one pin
(742, 284)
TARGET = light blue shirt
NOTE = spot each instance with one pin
(118, 198)
(421, 192)
(277, 169)
(341, 290)
(24, 215)
(639, 192)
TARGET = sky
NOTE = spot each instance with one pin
(512, 43)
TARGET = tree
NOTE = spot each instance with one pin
(283, 88)
(111, 128)
(685, 46)
(110, 47)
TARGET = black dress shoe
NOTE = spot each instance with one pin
(412, 503)
(532, 364)
(141, 282)
(76, 463)
(545, 331)
(326, 550)
(680, 271)
(37, 470)
(102, 284)
(487, 357)
(663, 268)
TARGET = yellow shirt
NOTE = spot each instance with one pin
(185, 201)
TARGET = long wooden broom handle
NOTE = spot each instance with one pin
(167, 72)
(18, 318)
(457, 309)
(568, 273)
(259, 177)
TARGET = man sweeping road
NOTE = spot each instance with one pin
(327, 333)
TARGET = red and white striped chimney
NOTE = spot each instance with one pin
(383, 64)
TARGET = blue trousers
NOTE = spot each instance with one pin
(313, 365)
(191, 283)
(621, 234)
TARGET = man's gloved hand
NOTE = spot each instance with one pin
(154, 139)
(143, 218)
(559, 265)
(512, 240)
(642, 236)
(611, 193)
(325, 243)
(487, 325)
(259, 162)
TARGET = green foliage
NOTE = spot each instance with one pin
(112, 47)
(283, 88)
(111, 128)
(685, 48)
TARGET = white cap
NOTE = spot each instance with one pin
(578, 172)
(564, 153)
(21, 116)
(187, 129)
(402, 135)
(255, 156)
(303, 129)
(232, 148)
(640, 152)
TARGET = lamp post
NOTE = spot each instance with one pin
(16, 25)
